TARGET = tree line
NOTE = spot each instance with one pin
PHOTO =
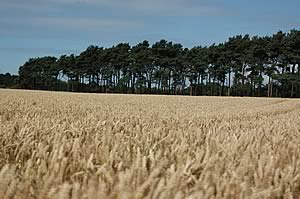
(8, 81)
(242, 66)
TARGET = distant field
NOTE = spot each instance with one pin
(71, 145)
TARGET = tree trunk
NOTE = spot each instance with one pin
(210, 88)
(97, 80)
(243, 80)
(133, 84)
(223, 85)
(269, 86)
(271, 89)
(183, 85)
(191, 87)
(213, 87)
(169, 85)
(229, 83)
(251, 89)
(293, 68)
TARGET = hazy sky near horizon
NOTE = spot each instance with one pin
(33, 28)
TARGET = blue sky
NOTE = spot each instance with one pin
(33, 28)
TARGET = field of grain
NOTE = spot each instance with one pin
(71, 145)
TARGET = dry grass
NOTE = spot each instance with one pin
(63, 145)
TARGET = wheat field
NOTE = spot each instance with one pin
(71, 145)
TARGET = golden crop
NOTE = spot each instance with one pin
(70, 145)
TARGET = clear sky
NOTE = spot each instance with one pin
(32, 28)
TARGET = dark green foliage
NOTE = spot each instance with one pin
(242, 66)
(8, 81)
